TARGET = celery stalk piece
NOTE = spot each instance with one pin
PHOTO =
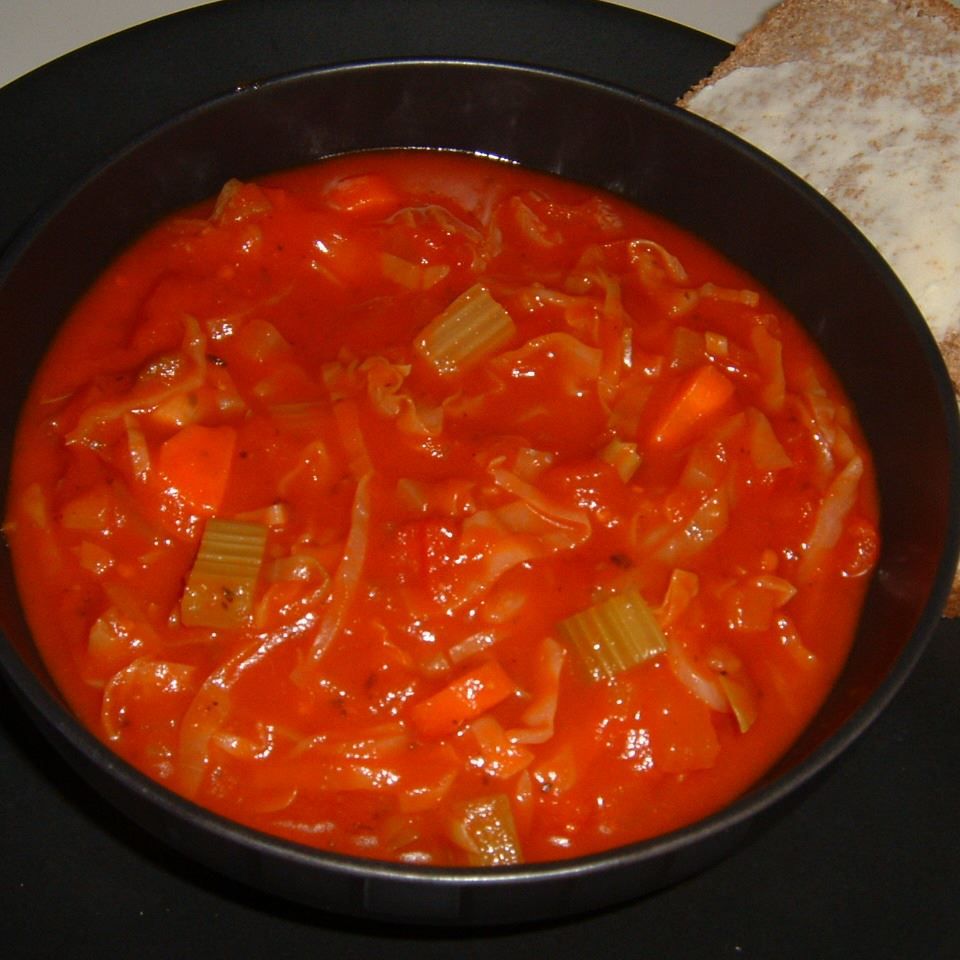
(485, 829)
(613, 635)
(220, 587)
(473, 327)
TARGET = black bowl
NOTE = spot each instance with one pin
(668, 161)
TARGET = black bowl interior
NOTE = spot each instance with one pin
(663, 159)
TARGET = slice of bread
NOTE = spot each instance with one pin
(862, 99)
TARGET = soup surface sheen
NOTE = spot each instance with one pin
(419, 507)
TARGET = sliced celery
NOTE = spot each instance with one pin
(614, 635)
(485, 829)
(473, 327)
(219, 590)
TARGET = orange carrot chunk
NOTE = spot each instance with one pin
(467, 697)
(704, 393)
(195, 464)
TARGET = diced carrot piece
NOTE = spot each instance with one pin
(465, 698)
(367, 193)
(704, 393)
(195, 464)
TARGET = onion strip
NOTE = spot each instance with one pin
(346, 581)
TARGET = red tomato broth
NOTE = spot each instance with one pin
(254, 359)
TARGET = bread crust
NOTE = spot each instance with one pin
(810, 32)
(799, 30)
